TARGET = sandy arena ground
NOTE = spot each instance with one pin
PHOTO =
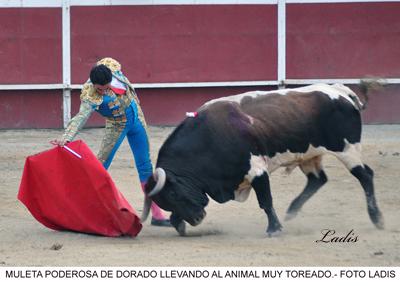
(233, 234)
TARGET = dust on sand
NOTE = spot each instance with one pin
(232, 234)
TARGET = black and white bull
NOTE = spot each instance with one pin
(235, 143)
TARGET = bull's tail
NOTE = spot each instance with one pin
(366, 85)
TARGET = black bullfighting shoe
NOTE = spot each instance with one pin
(160, 222)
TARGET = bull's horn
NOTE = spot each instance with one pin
(146, 209)
(160, 177)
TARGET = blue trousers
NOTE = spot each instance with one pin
(138, 142)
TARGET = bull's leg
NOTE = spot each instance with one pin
(365, 176)
(263, 191)
(178, 223)
(316, 178)
(351, 158)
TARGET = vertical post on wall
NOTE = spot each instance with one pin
(66, 62)
(281, 43)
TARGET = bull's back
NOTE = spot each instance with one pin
(297, 120)
(291, 121)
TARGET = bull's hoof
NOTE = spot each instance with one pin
(181, 228)
(380, 225)
(275, 233)
(274, 229)
(377, 219)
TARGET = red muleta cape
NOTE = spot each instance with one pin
(64, 192)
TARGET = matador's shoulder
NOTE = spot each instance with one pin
(112, 64)
(90, 95)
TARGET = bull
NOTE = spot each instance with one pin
(234, 143)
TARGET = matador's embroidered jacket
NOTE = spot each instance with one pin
(92, 101)
(112, 106)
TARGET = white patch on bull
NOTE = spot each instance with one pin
(243, 191)
(258, 166)
(333, 91)
(310, 162)
(292, 160)
(312, 166)
(238, 97)
(351, 155)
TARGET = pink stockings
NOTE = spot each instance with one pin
(156, 212)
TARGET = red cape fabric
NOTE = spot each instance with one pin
(64, 192)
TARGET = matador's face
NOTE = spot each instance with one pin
(102, 89)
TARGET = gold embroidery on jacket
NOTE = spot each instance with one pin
(112, 64)
(114, 103)
(91, 100)
(79, 120)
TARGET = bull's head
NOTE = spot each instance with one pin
(174, 194)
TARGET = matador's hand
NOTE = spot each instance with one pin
(59, 142)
